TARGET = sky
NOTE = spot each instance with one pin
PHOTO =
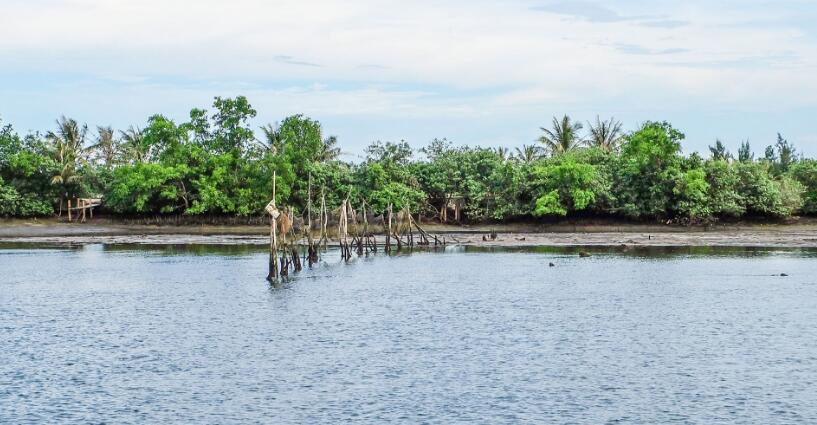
(476, 72)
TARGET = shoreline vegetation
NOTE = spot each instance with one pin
(216, 168)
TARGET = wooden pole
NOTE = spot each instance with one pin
(69, 210)
(273, 238)
(388, 232)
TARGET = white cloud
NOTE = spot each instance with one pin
(416, 59)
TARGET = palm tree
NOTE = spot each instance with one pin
(502, 153)
(329, 150)
(606, 135)
(529, 153)
(563, 137)
(133, 145)
(67, 149)
(273, 142)
(107, 147)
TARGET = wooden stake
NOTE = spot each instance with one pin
(273, 239)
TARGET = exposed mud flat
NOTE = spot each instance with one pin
(783, 236)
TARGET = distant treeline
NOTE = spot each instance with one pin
(217, 164)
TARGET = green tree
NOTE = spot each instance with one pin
(691, 191)
(648, 168)
(723, 197)
(566, 186)
(745, 153)
(805, 172)
(106, 147)
(719, 152)
(529, 153)
(67, 151)
(563, 137)
(134, 148)
(606, 135)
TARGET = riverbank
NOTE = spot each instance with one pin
(798, 235)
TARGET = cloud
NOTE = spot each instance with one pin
(585, 10)
(429, 61)
(665, 23)
(635, 49)
(594, 12)
(292, 61)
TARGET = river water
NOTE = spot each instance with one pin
(130, 334)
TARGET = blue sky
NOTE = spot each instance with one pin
(476, 72)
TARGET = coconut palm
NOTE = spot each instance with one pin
(606, 135)
(329, 150)
(529, 153)
(67, 150)
(563, 137)
(134, 147)
(273, 142)
(503, 153)
(106, 147)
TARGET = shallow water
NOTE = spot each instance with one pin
(123, 334)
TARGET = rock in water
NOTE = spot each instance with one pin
(783, 275)
(584, 254)
(552, 265)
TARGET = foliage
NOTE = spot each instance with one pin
(649, 166)
(566, 185)
(213, 164)
(606, 135)
(562, 137)
(805, 172)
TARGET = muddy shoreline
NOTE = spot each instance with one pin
(510, 235)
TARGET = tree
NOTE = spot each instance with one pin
(67, 149)
(606, 135)
(563, 137)
(786, 154)
(723, 199)
(329, 150)
(566, 186)
(134, 148)
(648, 168)
(231, 129)
(691, 192)
(398, 153)
(805, 172)
(719, 152)
(503, 153)
(745, 153)
(272, 142)
(106, 146)
(529, 153)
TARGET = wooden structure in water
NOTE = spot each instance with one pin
(355, 234)
(84, 205)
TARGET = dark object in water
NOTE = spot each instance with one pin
(493, 234)
(584, 254)
(552, 265)
(520, 239)
(783, 275)
(484, 238)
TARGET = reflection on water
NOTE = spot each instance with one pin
(169, 334)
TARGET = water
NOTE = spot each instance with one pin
(123, 334)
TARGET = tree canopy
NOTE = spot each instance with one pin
(217, 162)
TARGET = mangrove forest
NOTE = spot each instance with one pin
(218, 164)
